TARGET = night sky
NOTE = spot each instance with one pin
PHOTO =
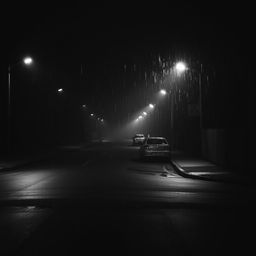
(99, 54)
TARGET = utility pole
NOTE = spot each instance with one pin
(9, 111)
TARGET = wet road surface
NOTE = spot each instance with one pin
(104, 199)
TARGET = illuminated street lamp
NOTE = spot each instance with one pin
(27, 61)
(151, 105)
(180, 67)
(140, 117)
(91, 114)
(60, 90)
(163, 92)
(144, 113)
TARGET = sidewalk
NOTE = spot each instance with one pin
(196, 168)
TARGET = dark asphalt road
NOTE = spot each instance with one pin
(103, 199)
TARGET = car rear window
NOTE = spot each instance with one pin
(156, 141)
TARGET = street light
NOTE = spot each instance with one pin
(60, 90)
(163, 92)
(180, 67)
(27, 61)
(151, 105)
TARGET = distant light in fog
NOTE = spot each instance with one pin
(91, 114)
(102, 120)
(60, 90)
(151, 105)
(163, 92)
(144, 113)
(84, 106)
(27, 60)
(180, 67)
(140, 117)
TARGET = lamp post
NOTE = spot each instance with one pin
(27, 61)
(181, 67)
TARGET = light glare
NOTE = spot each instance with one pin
(180, 66)
(27, 60)
(163, 92)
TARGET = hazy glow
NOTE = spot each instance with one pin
(84, 106)
(151, 105)
(144, 113)
(102, 120)
(60, 90)
(140, 117)
(27, 60)
(180, 66)
(92, 114)
(163, 92)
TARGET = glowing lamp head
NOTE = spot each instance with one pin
(151, 105)
(163, 92)
(180, 67)
(28, 61)
(60, 90)
(144, 113)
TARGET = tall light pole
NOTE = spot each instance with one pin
(27, 61)
(179, 68)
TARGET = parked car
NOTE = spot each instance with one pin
(155, 146)
(138, 139)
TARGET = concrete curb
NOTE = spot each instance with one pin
(179, 170)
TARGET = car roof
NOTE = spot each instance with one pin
(162, 138)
